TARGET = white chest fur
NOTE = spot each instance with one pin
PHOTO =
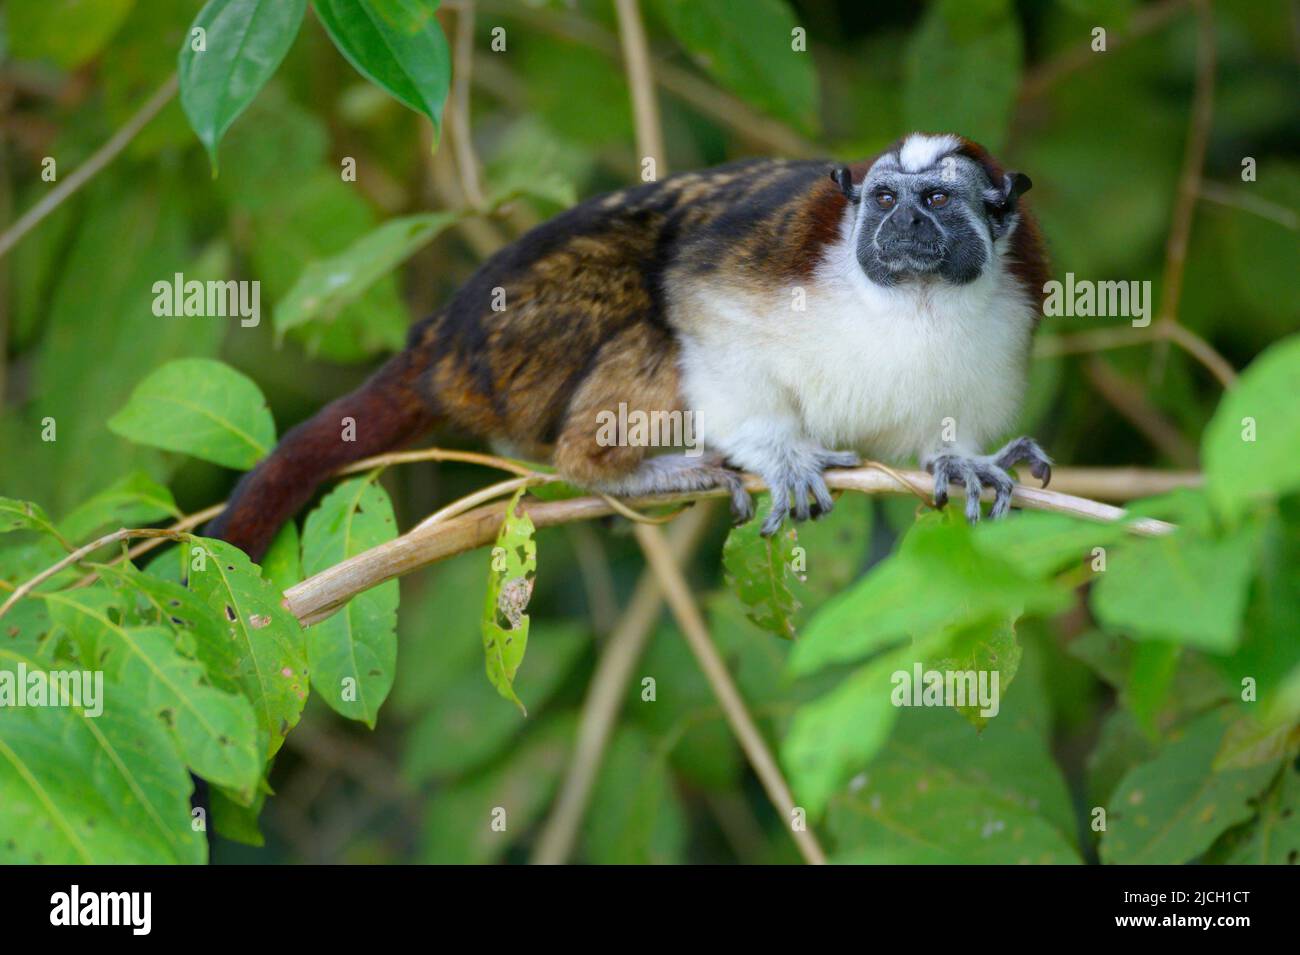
(860, 366)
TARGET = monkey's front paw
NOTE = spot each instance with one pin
(989, 471)
(793, 483)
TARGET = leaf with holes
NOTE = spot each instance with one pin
(353, 653)
(1171, 809)
(81, 789)
(270, 649)
(215, 730)
(510, 585)
(759, 571)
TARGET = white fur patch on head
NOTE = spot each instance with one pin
(920, 151)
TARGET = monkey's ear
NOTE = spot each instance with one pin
(1004, 199)
(1015, 185)
(1001, 202)
(843, 178)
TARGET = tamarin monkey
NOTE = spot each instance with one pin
(885, 309)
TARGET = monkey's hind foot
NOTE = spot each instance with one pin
(675, 473)
(988, 471)
(795, 479)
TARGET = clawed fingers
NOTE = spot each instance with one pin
(1028, 451)
(975, 474)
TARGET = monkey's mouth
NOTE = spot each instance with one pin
(909, 255)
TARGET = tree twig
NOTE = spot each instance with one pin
(1144, 20)
(640, 79)
(319, 596)
(462, 71)
(87, 170)
(1124, 336)
(605, 695)
(125, 533)
(1189, 181)
(1131, 403)
(681, 602)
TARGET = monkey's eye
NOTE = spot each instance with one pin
(885, 200)
(936, 200)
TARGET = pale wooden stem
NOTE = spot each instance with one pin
(606, 693)
(319, 596)
(691, 622)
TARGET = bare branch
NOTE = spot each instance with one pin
(645, 102)
(320, 596)
(458, 115)
(87, 170)
(81, 553)
(605, 695)
(691, 622)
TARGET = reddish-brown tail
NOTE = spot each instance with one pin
(386, 412)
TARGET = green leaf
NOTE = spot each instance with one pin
(1171, 809)
(271, 652)
(235, 821)
(758, 570)
(1150, 679)
(282, 563)
(26, 516)
(327, 285)
(748, 46)
(132, 501)
(1274, 837)
(69, 32)
(936, 578)
(199, 407)
(197, 628)
(1251, 743)
(939, 793)
(354, 652)
(1251, 446)
(962, 70)
(245, 40)
(467, 726)
(397, 44)
(1269, 654)
(510, 585)
(988, 646)
(834, 550)
(838, 733)
(1039, 544)
(81, 789)
(1183, 587)
(214, 729)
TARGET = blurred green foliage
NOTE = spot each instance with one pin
(1157, 691)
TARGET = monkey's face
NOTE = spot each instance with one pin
(925, 211)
